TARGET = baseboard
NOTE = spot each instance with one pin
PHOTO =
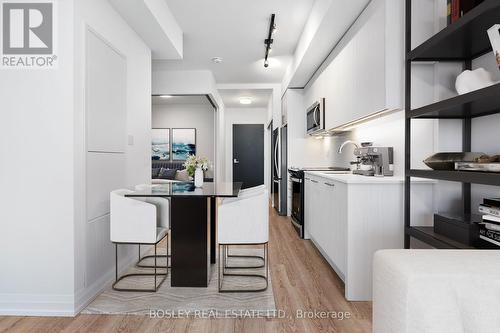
(36, 305)
(50, 305)
(86, 295)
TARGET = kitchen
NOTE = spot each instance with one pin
(345, 154)
(345, 169)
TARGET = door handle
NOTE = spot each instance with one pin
(314, 181)
(276, 157)
(330, 184)
(236, 161)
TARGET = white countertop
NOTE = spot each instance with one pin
(359, 179)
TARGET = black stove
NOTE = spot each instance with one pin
(297, 179)
(300, 171)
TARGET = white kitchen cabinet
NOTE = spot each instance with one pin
(365, 72)
(349, 218)
(325, 212)
(368, 64)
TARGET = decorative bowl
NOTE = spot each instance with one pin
(446, 161)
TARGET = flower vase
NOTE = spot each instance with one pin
(198, 177)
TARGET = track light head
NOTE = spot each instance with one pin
(269, 40)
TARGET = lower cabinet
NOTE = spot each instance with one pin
(325, 209)
(349, 221)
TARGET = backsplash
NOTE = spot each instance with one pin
(386, 131)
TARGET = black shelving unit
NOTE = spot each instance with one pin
(462, 42)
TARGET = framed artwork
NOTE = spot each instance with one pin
(160, 144)
(494, 34)
(183, 143)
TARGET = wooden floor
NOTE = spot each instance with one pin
(302, 280)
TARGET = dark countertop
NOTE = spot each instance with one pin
(187, 189)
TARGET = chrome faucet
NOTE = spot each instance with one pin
(346, 143)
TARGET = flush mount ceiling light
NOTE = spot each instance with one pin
(269, 40)
(216, 60)
(245, 100)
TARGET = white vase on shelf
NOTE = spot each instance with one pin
(469, 81)
(198, 177)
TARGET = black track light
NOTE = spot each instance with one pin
(268, 41)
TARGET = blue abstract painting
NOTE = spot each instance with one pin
(183, 143)
(160, 144)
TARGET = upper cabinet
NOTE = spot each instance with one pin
(364, 74)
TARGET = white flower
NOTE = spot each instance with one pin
(194, 162)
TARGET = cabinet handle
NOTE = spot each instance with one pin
(307, 178)
(314, 181)
(330, 184)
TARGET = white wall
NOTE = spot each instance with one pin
(199, 82)
(94, 253)
(36, 183)
(55, 260)
(201, 117)
(246, 116)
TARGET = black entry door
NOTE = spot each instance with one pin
(248, 154)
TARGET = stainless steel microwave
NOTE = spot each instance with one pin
(316, 118)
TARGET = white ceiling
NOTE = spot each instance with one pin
(235, 31)
(175, 100)
(231, 97)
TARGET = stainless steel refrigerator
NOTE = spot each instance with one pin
(279, 172)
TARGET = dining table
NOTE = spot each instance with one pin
(192, 227)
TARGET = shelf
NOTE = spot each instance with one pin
(428, 236)
(473, 177)
(478, 103)
(465, 39)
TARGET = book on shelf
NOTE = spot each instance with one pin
(455, 10)
(448, 12)
(492, 219)
(468, 5)
(458, 8)
(492, 202)
(491, 226)
(489, 210)
(495, 235)
(492, 241)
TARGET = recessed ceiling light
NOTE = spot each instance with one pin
(245, 100)
(166, 96)
(216, 60)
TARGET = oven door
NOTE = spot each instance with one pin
(297, 200)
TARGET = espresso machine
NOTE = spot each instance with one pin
(374, 161)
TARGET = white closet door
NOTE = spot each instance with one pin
(106, 114)
(106, 105)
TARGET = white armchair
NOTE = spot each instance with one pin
(436, 291)
(243, 221)
(163, 220)
(135, 222)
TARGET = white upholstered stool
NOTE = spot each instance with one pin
(135, 222)
(243, 221)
